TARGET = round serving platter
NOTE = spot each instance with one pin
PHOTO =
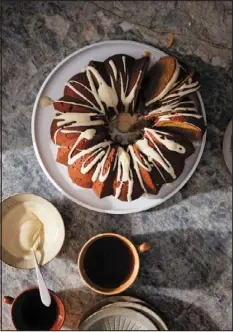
(46, 151)
(127, 302)
(117, 319)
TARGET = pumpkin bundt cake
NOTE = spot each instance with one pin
(155, 125)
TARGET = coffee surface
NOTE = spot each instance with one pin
(29, 313)
(108, 262)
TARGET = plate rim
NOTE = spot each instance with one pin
(114, 300)
(50, 177)
(141, 308)
(101, 303)
(124, 310)
(226, 139)
(4, 201)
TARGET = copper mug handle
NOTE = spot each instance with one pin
(8, 299)
(143, 247)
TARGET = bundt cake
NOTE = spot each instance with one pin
(153, 122)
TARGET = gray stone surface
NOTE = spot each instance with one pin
(187, 275)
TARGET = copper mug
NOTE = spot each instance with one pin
(117, 258)
(29, 313)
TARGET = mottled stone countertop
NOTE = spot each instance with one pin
(187, 276)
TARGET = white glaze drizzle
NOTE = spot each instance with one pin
(145, 164)
(168, 87)
(124, 173)
(167, 142)
(87, 134)
(67, 131)
(175, 103)
(115, 163)
(112, 84)
(72, 81)
(124, 63)
(97, 150)
(113, 66)
(64, 131)
(94, 91)
(187, 105)
(105, 93)
(77, 104)
(162, 109)
(76, 119)
(161, 132)
(46, 101)
(98, 174)
(127, 83)
(127, 100)
(81, 95)
(153, 155)
(184, 89)
(161, 174)
(73, 120)
(186, 109)
(67, 102)
(171, 110)
(167, 117)
(55, 135)
(187, 102)
(135, 163)
(99, 155)
(174, 98)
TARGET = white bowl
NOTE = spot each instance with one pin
(14, 210)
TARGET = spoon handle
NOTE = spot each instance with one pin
(44, 293)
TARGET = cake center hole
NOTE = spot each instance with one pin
(120, 128)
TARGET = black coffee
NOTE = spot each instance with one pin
(108, 262)
(30, 314)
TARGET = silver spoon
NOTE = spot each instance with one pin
(44, 293)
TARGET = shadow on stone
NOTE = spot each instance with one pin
(183, 258)
(178, 315)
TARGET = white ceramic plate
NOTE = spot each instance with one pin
(127, 301)
(141, 308)
(13, 209)
(109, 300)
(46, 151)
(117, 319)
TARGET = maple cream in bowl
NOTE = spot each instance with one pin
(26, 217)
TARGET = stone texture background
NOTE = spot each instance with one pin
(187, 276)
